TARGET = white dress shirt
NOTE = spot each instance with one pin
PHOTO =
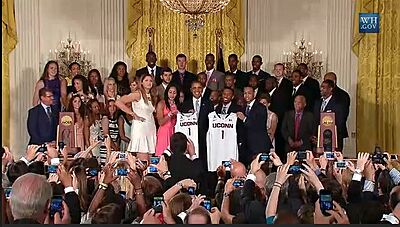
(272, 92)
(194, 105)
(150, 69)
(327, 101)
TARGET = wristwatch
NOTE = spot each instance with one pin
(166, 173)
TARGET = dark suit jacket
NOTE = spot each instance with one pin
(334, 106)
(188, 78)
(182, 168)
(344, 98)
(234, 108)
(205, 108)
(262, 76)
(281, 99)
(302, 90)
(72, 201)
(313, 87)
(255, 129)
(157, 74)
(242, 79)
(40, 128)
(216, 81)
(305, 132)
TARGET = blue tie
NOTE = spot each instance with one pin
(247, 110)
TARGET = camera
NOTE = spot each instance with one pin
(42, 148)
(154, 160)
(92, 172)
(157, 204)
(101, 138)
(340, 165)
(207, 204)
(56, 205)
(61, 145)
(329, 155)
(191, 190)
(121, 172)
(295, 169)
(263, 157)
(325, 201)
(52, 169)
(301, 155)
(379, 157)
(152, 169)
(238, 183)
(227, 165)
(121, 155)
(7, 192)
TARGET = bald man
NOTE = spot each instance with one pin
(298, 126)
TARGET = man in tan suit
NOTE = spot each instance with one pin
(166, 76)
(215, 79)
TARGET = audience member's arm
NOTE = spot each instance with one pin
(136, 181)
(355, 187)
(219, 189)
(273, 199)
(71, 198)
(394, 173)
(312, 177)
(225, 215)
(171, 192)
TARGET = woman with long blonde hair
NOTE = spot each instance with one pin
(143, 129)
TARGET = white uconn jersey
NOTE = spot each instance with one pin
(186, 123)
(221, 139)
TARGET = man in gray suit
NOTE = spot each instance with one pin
(215, 79)
(166, 76)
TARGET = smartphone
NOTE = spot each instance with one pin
(301, 156)
(144, 162)
(52, 169)
(121, 172)
(191, 190)
(152, 169)
(207, 204)
(121, 155)
(340, 165)
(56, 205)
(42, 148)
(325, 201)
(61, 145)
(123, 194)
(238, 183)
(264, 157)
(7, 192)
(227, 165)
(154, 160)
(393, 157)
(157, 204)
(329, 155)
(295, 169)
(92, 172)
(100, 138)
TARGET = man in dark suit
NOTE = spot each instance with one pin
(206, 92)
(311, 84)
(254, 117)
(298, 127)
(215, 79)
(202, 107)
(227, 107)
(151, 68)
(43, 119)
(182, 77)
(241, 77)
(341, 95)
(330, 103)
(261, 75)
(300, 89)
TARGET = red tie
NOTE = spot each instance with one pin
(181, 77)
(297, 126)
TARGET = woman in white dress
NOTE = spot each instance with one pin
(143, 129)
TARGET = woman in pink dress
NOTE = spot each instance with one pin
(166, 116)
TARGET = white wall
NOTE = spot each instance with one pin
(272, 26)
(41, 24)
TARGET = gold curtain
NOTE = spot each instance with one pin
(172, 36)
(9, 41)
(378, 82)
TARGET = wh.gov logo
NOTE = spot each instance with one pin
(369, 23)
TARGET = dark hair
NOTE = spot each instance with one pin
(257, 56)
(82, 108)
(99, 84)
(151, 187)
(248, 87)
(90, 111)
(16, 170)
(108, 111)
(230, 74)
(46, 67)
(303, 64)
(394, 198)
(37, 167)
(210, 55)
(299, 72)
(196, 81)
(280, 65)
(85, 84)
(114, 74)
(336, 189)
(74, 63)
(330, 83)
(265, 96)
(176, 100)
(286, 217)
(109, 214)
(178, 143)
(371, 212)
(199, 211)
(180, 56)
(228, 88)
(233, 56)
(43, 91)
(151, 53)
(166, 69)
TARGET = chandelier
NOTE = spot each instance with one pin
(303, 54)
(70, 51)
(195, 10)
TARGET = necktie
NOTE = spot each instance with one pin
(224, 110)
(197, 107)
(208, 77)
(324, 102)
(152, 72)
(294, 91)
(297, 126)
(48, 112)
(247, 110)
(181, 77)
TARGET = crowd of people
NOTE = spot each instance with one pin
(164, 147)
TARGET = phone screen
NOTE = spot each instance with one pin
(121, 155)
(325, 201)
(121, 172)
(238, 183)
(207, 204)
(301, 155)
(152, 169)
(7, 192)
(52, 169)
(157, 204)
(154, 160)
(295, 169)
(264, 157)
(92, 172)
(61, 145)
(330, 155)
(227, 165)
(340, 165)
(56, 205)
(191, 190)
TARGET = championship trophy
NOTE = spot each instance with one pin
(327, 135)
(66, 131)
